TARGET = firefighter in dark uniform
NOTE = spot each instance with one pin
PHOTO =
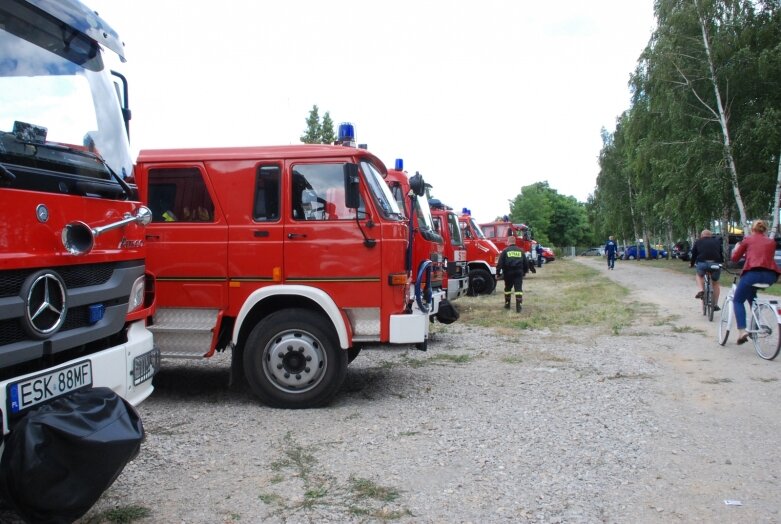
(513, 265)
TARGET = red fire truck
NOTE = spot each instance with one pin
(497, 232)
(427, 244)
(481, 255)
(457, 272)
(293, 257)
(72, 281)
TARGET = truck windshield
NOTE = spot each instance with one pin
(60, 116)
(476, 228)
(381, 193)
(424, 214)
(455, 230)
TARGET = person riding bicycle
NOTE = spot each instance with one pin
(759, 268)
(706, 252)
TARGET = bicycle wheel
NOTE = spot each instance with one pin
(709, 303)
(767, 339)
(726, 320)
(704, 295)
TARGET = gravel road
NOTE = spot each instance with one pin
(656, 424)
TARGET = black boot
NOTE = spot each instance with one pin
(507, 302)
(518, 304)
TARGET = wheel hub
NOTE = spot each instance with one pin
(294, 361)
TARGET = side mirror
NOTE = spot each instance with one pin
(417, 185)
(352, 192)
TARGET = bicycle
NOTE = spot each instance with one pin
(764, 322)
(707, 295)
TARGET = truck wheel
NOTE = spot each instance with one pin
(480, 282)
(292, 360)
(353, 353)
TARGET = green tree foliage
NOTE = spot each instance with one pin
(327, 134)
(555, 219)
(313, 128)
(701, 141)
(317, 132)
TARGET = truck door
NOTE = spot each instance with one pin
(187, 239)
(324, 246)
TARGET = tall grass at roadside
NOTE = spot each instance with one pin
(561, 293)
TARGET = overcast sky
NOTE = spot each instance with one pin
(481, 97)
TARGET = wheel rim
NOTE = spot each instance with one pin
(294, 361)
(765, 340)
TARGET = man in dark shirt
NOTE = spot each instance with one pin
(611, 248)
(707, 251)
(513, 264)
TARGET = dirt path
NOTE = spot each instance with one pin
(720, 406)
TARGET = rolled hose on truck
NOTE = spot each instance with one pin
(447, 313)
(60, 458)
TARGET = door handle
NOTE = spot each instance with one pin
(260, 233)
(296, 235)
(153, 237)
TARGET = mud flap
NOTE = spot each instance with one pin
(447, 313)
(61, 457)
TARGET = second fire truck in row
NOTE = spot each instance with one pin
(293, 257)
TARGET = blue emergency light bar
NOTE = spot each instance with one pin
(399, 164)
(346, 132)
(466, 211)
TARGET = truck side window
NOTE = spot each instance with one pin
(318, 193)
(179, 195)
(266, 207)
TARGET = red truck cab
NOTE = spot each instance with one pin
(293, 257)
(498, 231)
(481, 255)
(456, 269)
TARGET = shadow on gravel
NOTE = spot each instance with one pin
(197, 384)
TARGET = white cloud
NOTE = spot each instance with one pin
(482, 98)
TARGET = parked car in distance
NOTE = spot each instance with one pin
(593, 252)
(681, 250)
(631, 253)
(548, 254)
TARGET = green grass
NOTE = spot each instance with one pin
(563, 293)
(121, 515)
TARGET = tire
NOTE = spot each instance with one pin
(292, 360)
(353, 353)
(704, 298)
(480, 282)
(725, 321)
(767, 342)
(709, 303)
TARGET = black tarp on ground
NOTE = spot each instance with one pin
(60, 458)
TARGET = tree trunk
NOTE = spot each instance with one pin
(774, 230)
(723, 119)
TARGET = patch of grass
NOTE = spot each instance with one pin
(121, 515)
(365, 488)
(270, 498)
(714, 380)
(512, 359)
(562, 294)
(620, 374)
(687, 329)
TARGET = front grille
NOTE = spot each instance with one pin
(11, 329)
(74, 276)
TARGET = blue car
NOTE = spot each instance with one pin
(631, 253)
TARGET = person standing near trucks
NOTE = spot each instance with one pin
(538, 249)
(513, 265)
(611, 248)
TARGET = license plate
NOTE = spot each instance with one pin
(42, 388)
